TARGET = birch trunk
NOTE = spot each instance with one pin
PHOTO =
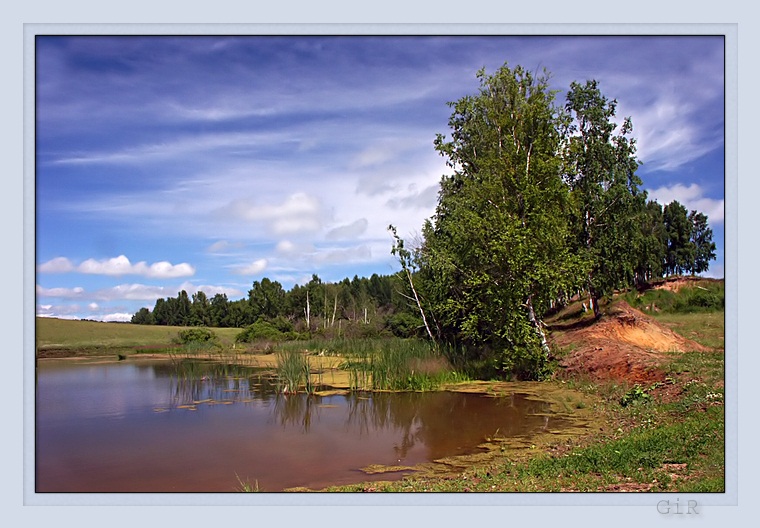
(419, 305)
(537, 325)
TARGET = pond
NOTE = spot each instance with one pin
(150, 427)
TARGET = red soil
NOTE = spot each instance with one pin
(624, 344)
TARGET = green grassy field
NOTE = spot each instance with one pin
(90, 337)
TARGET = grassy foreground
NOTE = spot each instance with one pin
(665, 437)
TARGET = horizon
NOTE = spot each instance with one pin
(200, 163)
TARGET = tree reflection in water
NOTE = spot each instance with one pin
(443, 423)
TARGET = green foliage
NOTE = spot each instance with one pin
(404, 324)
(496, 252)
(293, 372)
(196, 335)
(143, 316)
(636, 395)
(263, 330)
(680, 252)
(701, 241)
(610, 208)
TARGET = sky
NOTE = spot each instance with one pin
(205, 163)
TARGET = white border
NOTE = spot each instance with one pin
(731, 238)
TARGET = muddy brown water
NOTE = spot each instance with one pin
(149, 427)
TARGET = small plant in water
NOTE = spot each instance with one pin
(293, 372)
(247, 487)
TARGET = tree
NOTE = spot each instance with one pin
(143, 316)
(701, 240)
(651, 262)
(679, 255)
(218, 310)
(266, 298)
(496, 252)
(200, 310)
(407, 267)
(601, 171)
(161, 314)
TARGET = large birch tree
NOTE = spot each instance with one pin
(496, 253)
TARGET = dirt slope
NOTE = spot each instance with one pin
(625, 344)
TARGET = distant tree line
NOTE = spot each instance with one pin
(359, 306)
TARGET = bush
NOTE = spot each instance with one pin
(700, 299)
(262, 330)
(404, 324)
(196, 335)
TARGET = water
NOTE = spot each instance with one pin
(146, 427)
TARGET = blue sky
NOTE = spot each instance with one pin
(205, 163)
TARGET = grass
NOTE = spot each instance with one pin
(398, 365)
(662, 437)
(706, 328)
(701, 296)
(246, 486)
(293, 372)
(95, 337)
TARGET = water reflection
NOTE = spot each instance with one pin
(194, 427)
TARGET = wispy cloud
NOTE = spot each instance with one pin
(254, 268)
(352, 230)
(223, 246)
(61, 293)
(299, 212)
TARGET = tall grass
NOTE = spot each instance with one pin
(397, 365)
(293, 372)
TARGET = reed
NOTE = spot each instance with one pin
(397, 365)
(293, 372)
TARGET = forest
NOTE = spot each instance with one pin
(543, 205)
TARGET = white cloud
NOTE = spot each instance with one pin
(223, 245)
(344, 255)
(293, 250)
(64, 293)
(352, 230)
(133, 292)
(165, 270)
(119, 266)
(66, 311)
(299, 212)
(382, 153)
(670, 132)
(254, 268)
(427, 198)
(692, 197)
(114, 317)
(56, 265)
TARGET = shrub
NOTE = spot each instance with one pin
(261, 330)
(404, 324)
(196, 335)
